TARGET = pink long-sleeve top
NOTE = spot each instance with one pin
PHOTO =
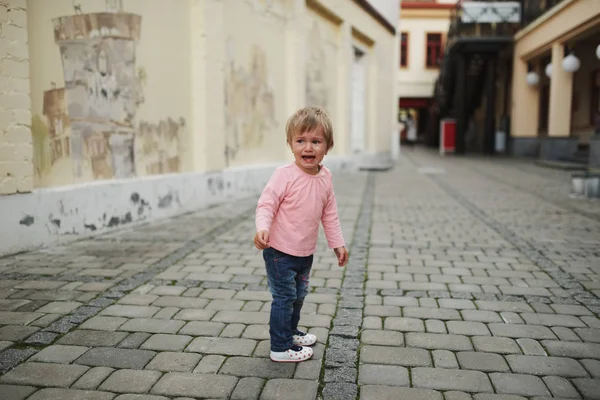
(291, 207)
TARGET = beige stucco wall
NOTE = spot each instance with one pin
(416, 80)
(16, 171)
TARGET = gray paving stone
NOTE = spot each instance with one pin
(454, 395)
(89, 338)
(373, 392)
(248, 389)
(522, 331)
(174, 362)
(540, 365)
(531, 347)
(42, 374)
(195, 314)
(451, 379)
(16, 333)
(103, 323)
(593, 367)
(395, 356)
(404, 324)
(435, 341)
(180, 302)
(224, 346)
(589, 335)
(567, 334)
(152, 325)
(387, 375)
(382, 338)
(572, 349)
(467, 328)
(310, 369)
(168, 290)
(233, 331)
(201, 328)
(589, 388)
(553, 320)
(523, 385)
(242, 317)
(511, 318)
(116, 358)
(489, 396)
(130, 381)
(18, 318)
(435, 326)
(59, 354)
(503, 306)
(195, 385)
(257, 367)
(293, 389)
(130, 311)
(487, 362)
(59, 307)
(139, 397)
(162, 342)
(210, 364)
(70, 394)
(444, 359)
(481, 316)
(15, 392)
(560, 387)
(134, 340)
(496, 345)
(570, 309)
(458, 304)
(431, 313)
(92, 378)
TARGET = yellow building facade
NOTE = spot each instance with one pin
(119, 111)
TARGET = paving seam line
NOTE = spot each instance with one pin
(14, 355)
(341, 355)
(566, 282)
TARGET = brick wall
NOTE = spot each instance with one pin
(16, 151)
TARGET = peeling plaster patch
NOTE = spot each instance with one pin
(165, 201)
(55, 222)
(135, 198)
(27, 220)
(114, 221)
(91, 227)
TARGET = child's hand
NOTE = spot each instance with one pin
(342, 255)
(261, 240)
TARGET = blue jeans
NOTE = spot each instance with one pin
(288, 281)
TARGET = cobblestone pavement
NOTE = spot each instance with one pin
(468, 279)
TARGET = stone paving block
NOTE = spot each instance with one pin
(531, 347)
(59, 354)
(70, 394)
(543, 365)
(434, 341)
(42, 374)
(139, 397)
(589, 388)
(92, 378)
(431, 313)
(560, 387)
(18, 318)
(223, 346)
(387, 375)
(481, 316)
(486, 362)
(382, 338)
(451, 379)
(310, 369)
(166, 313)
(293, 389)
(168, 290)
(455, 395)
(258, 332)
(503, 306)
(467, 328)
(572, 349)
(444, 359)
(458, 304)
(210, 364)
(152, 325)
(570, 309)
(195, 315)
(233, 331)
(134, 340)
(428, 302)
(195, 385)
(592, 322)
(116, 358)
(435, 326)
(201, 328)
(593, 367)
(130, 381)
(553, 320)
(395, 356)
(521, 331)
(489, 396)
(401, 301)
(241, 317)
(511, 318)
(163, 342)
(257, 367)
(9, 304)
(372, 323)
(4, 344)
(119, 310)
(567, 334)
(90, 338)
(589, 335)
(138, 299)
(174, 362)
(523, 385)
(248, 389)
(46, 320)
(373, 392)
(15, 392)
(382, 311)
(180, 302)
(496, 345)
(103, 323)
(16, 333)
(405, 324)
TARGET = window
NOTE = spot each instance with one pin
(404, 50)
(434, 50)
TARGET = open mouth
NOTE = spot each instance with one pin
(308, 158)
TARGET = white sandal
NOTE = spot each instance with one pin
(295, 354)
(304, 339)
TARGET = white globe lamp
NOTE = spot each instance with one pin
(598, 51)
(533, 78)
(571, 63)
(548, 70)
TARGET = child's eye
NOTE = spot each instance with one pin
(316, 141)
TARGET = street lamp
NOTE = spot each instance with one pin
(548, 70)
(598, 51)
(533, 78)
(571, 63)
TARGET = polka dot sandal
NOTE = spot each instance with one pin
(295, 354)
(304, 339)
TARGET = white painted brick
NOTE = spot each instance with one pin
(22, 4)
(4, 45)
(24, 151)
(17, 134)
(21, 169)
(15, 101)
(18, 50)
(22, 117)
(7, 185)
(3, 13)
(25, 184)
(15, 68)
(6, 118)
(13, 32)
(7, 152)
(18, 17)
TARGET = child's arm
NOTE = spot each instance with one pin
(333, 230)
(267, 207)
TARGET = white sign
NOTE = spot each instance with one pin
(474, 12)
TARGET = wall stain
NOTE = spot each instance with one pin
(317, 86)
(158, 146)
(55, 222)
(164, 202)
(27, 220)
(91, 227)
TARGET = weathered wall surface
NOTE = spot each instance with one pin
(108, 90)
(16, 151)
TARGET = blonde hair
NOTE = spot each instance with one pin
(308, 119)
